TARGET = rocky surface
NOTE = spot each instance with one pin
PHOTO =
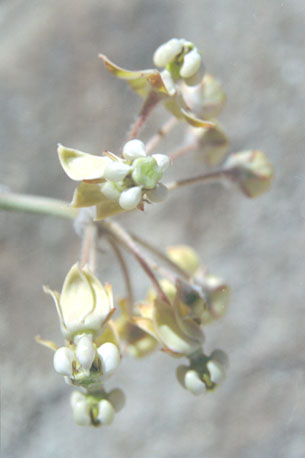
(53, 88)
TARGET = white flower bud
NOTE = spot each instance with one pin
(134, 149)
(130, 198)
(117, 398)
(158, 194)
(193, 383)
(162, 160)
(106, 412)
(116, 171)
(85, 352)
(216, 371)
(191, 64)
(110, 191)
(81, 412)
(110, 357)
(77, 396)
(168, 82)
(62, 361)
(167, 52)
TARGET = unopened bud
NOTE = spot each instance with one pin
(191, 64)
(81, 412)
(62, 361)
(167, 52)
(106, 412)
(85, 352)
(217, 374)
(134, 149)
(116, 171)
(130, 198)
(162, 160)
(193, 382)
(251, 170)
(110, 190)
(110, 358)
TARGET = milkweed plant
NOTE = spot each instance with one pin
(97, 328)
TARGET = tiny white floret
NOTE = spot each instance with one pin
(216, 371)
(116, 171)
(130, 198)
(110, 358)
(134, 149)
(191, 64)
(81, 413)
(85, 352)
(167, 52)
(62, 361)
(110, 191)
(193, 383)
(162, 160)
(106, 412)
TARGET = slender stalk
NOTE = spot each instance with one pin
(125, 272)
(125, 239)
(183, 150)
(88, 254)
(162, 132)
(212, 176)
(36, 204)
(149, 104)
(161, 256)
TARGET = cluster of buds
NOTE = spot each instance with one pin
(115, 184)
(91, 352)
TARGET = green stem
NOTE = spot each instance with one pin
(36, 204)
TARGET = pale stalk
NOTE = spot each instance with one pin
(208, 177)
(125, 272)
(189, 148)
(149, 104)
(162, 132)
(88, 254)
(125, 239)
(158, 253)
(37, 205)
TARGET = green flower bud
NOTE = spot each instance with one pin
(146, 172)
(251, 170)
(184, 256)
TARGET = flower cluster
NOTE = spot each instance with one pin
(115, 184)
(184, 297)
(91, 352)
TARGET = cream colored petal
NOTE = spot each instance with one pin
(81, 166)
(169, 331)
(77, 299)
(56, 298)
(87, 195)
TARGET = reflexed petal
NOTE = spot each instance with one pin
(169, 332)
(81, 166)
(87, 195)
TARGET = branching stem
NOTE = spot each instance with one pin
(88, 254)
(149, 104)
(162, 132)
(212, 176)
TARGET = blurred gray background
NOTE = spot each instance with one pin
(53, 88)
